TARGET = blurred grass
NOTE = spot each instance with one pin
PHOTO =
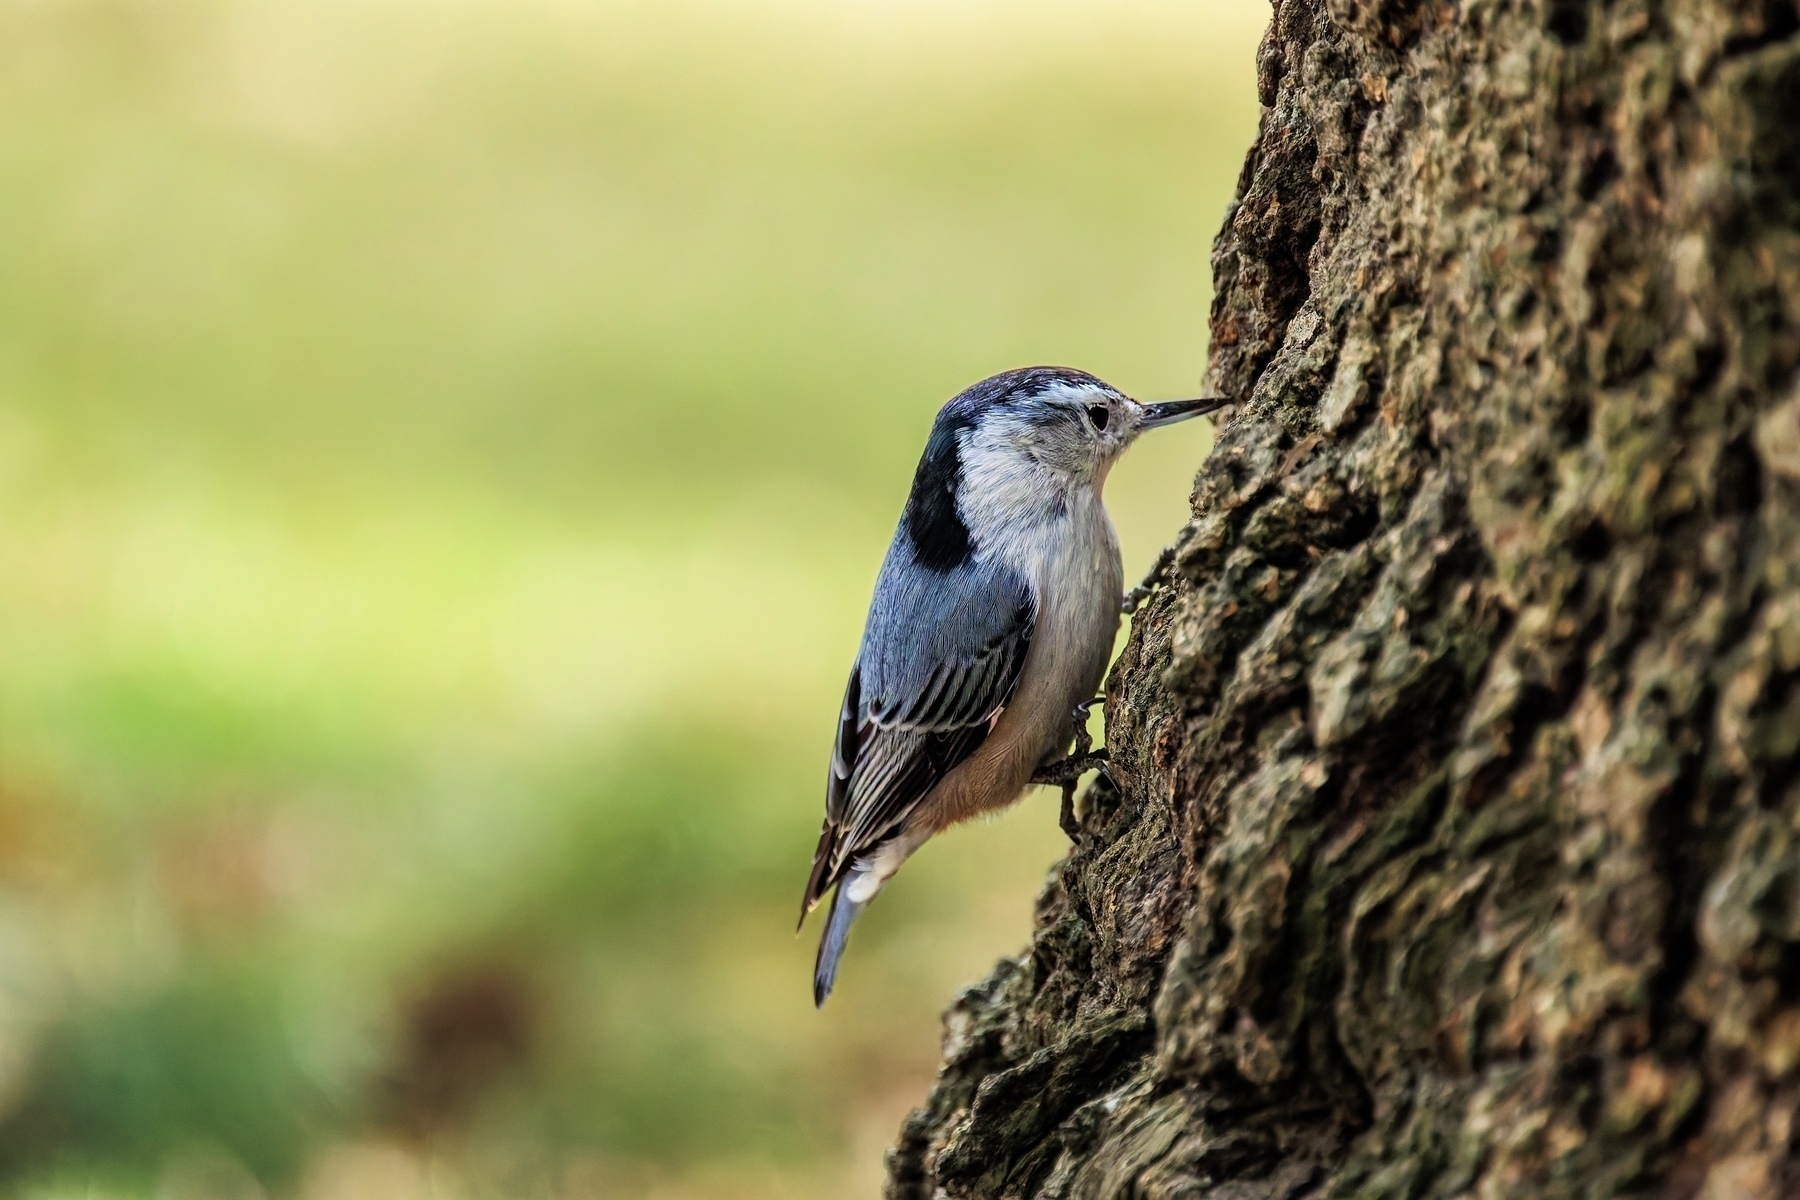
(445, 448)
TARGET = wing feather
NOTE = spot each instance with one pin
(935, 667)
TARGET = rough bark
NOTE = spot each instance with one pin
(1457, 844)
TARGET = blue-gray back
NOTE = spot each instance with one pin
(924, 626)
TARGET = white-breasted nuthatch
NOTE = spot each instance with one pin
(992, 622)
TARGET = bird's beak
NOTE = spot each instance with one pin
(1171, 411)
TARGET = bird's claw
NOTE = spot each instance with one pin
(1067, 772)
(1082, 739)
(1065, 815)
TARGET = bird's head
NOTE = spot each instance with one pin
(1008, 450)
(1059, 420)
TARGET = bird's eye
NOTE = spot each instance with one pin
(1098, 414)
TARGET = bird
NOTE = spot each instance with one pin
(991, 625)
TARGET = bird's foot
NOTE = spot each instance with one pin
(1066, 773)
(1083, 742)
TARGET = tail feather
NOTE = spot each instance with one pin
(831, 945)
(815, 882)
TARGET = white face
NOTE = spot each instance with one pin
(1075, 431)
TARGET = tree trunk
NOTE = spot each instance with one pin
(1456, 848)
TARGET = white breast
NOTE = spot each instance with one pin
(1061, 539)
(1079, 578)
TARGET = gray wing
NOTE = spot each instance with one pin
(940, 658)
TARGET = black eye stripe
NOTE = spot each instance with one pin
(1098, 414)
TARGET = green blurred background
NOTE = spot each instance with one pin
(445, 449)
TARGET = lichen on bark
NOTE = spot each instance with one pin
(1455, 850)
